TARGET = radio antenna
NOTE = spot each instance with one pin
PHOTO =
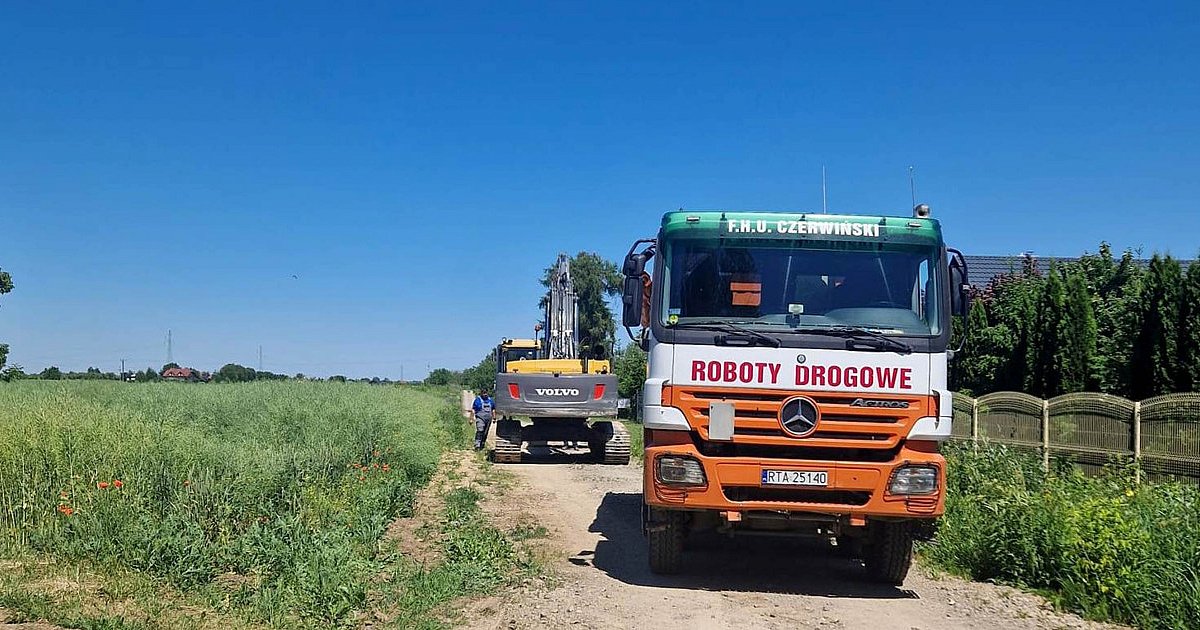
(824, 202)
(912, 185)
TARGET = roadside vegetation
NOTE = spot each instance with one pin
(223, 506)
(1104, 546)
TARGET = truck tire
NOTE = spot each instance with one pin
(888, 553)
(665, 542)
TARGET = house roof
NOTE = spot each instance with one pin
(984, 268)
(180, 372)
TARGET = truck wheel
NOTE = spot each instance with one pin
(665, 541)
(889, 551)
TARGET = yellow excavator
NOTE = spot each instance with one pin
(562, 393)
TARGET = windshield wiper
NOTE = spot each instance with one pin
(734, 329)
(864, 336)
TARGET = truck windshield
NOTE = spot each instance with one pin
(894, 289)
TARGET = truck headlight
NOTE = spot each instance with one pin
(673, 470)
(909, 480)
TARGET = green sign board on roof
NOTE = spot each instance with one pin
(795, 225)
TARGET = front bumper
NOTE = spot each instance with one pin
(857, 489)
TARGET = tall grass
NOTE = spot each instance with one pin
(282, 489)
(1105, 546)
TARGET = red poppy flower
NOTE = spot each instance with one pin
(103, 485)
(117, 483)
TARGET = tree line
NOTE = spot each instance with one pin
(1101, 323)
(229, 373)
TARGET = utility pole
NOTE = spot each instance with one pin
(170, 353)
(122, 370)
(260, 357)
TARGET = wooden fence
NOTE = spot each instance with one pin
(1162, 434)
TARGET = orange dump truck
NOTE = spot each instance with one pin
(797, 378)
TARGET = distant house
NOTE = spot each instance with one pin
(186, 375)
(983, 268)
(180, 374)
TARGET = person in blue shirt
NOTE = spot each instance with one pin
(485, 409)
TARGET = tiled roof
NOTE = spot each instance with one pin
(178, 373)
(984, 268)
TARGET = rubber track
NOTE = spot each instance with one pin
(507, 451)
(616, 449)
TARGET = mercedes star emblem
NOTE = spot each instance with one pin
(799, 416)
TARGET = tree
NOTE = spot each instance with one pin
(146, 376)
(985, 353)
(1155, 368)
(12, 373)
(337, 379)
(51, 373)
(596, 280)
(1044, 379)
(1188, 379)
(440, 376)
(234, 373)
(1010, 301)
(629, 364)
(482, 375)
(170, 366)
(6, 286)
(1076, 337)
(1113, 286)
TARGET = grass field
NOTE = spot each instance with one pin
(259, 504)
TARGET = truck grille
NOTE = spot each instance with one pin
(747, 494)
(842, 426)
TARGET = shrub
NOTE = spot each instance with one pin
(1104, 546)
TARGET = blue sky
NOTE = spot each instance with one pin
(417, 165)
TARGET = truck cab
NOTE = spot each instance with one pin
(797, 378)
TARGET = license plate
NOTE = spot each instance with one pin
(795, 478)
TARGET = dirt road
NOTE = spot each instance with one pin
(598, 555)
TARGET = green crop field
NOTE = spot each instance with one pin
(255, 504)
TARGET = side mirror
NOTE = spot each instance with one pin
(631, 301)
(960, 292)
(631, 295)
(959, 298)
